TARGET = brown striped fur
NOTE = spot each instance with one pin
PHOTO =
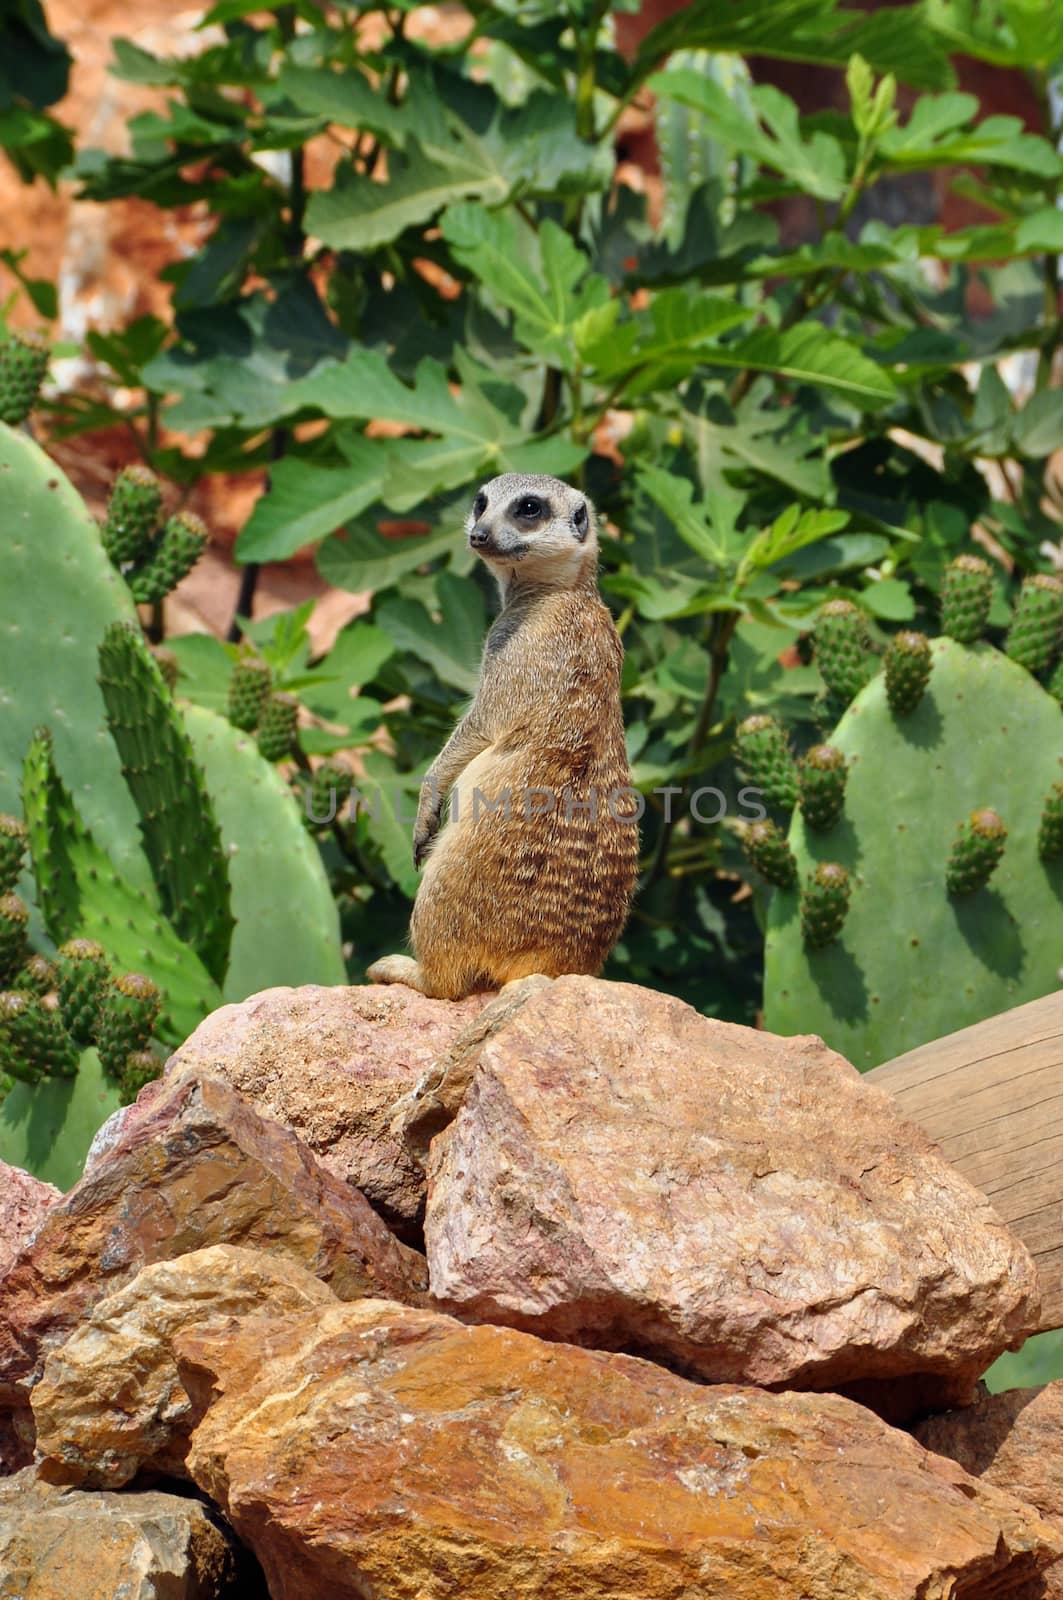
(505, 896)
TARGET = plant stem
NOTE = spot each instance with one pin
(245, 600)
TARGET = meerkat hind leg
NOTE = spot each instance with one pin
(397, 969)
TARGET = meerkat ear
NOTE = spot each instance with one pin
(581, 520)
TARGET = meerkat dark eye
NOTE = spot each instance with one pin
(581, 520)
(529, 507)
(479, 505)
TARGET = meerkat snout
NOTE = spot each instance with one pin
(533, 522)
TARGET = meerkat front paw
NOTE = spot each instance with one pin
(396, 969)
(423, 835)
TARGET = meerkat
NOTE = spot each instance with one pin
(534, 869)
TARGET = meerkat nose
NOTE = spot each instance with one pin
(479, 535)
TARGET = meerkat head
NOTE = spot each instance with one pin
(532, 527)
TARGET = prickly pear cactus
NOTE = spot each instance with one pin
(930, 789)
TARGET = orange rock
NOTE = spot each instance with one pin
(55, 1544)
(372, 1449)
(1015, 1441)
(110, 1401)
(331, 1064)
(24, 1203)
(203, 1168)
(626, 1173)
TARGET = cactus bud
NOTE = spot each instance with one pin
(33, 1042)
(824, 903)
(168, 664)
(128, 1014)
(14, 933)
(183, 541)
(764, 751)
(35, 976)
(139, 1068)
(821, 779)
(908, 664)
(23, 365)
(841, 643)
(966, 595)
(767, 850)
(248, 689)
(82, 974)
(978, 848)
(12, 852)
(1050, 832)
(276, 733)
(1036, 622)
(330, 789)
(133, 514)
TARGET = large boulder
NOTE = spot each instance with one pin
(1013, 1440)
(377, 1449)
(60, 1544)
(202, 1168)
(110, 1401)
(330, 1064)
(24, 1203)
(626, 1173)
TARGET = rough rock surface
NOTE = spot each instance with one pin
(330, 1064)
(377, 1449)
(1015, 1441)
(204, 1168)
(24, 1201)
(58, 1544)
(110, 1401)
(626, 1173)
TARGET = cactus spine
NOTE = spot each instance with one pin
(82, 974)
(183, 541)
(33, 1042)
(841, 645)
(14, 934)
(907, 666)
(763, 751)
(249, 689)
(976, 853)
(767, 850)
(824, 903)
(12, 852)
(23, 366)
(821, 781)
(276, 733)
(130, 1010)
(1036, 623)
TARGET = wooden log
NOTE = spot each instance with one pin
(992, 1097)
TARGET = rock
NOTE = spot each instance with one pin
(57, 1543)
(438, 1094)
(626, 1173)
(374, 1449)
(110, 1401)
(1013, 1440)
(24, 1202)
(330, 1064)
(202, 1168)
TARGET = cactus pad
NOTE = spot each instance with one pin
(35, 976)
(133, 514)
(821, 782)
(976, 852)
(181, 837)
(767, 850)
(966, 595)
(249, 688)
(912, 961)
(139, 1068)
(33, 1042)
(12, 852)
(907, 665)
(183, 541)
(841, 648)
(764, 753)
(824, 903)
(128, 1014)
(23, 366)
(46, 1127)
(14, 934)
(82, 974)
(330, 789)
(1036, 623)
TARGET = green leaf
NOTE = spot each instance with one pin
(536, 278)
(450, 644)
(345, 98)
(305, 501)
(1041, 230)
(358, 213)
(816, 166)
(364, 561)
(1008, 33)
(791, 531)
(890, 599)
(709, 529)
(206, 667)
(1038, 427)
(936, 135)
(656, 352)
(762, 437)
(809, 353)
